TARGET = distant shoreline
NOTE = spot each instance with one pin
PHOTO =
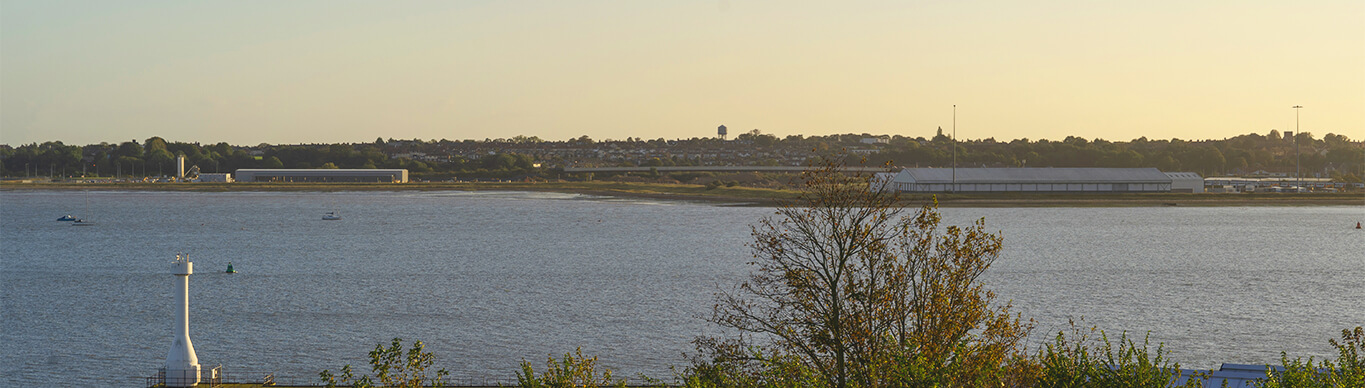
(742, 196)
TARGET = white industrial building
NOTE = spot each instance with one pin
(1028, 179)
(1276, 184)
(882, 181)
(211, 177)
(1186, 182)
(322, 175)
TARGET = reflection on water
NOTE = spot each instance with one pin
(486, 279)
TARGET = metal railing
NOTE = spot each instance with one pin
(212, 378)
(157, 380)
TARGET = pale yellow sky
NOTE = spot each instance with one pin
(343, 71)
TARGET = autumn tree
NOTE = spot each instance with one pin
(851, 289)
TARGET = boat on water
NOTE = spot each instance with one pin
(81, 222)
(331, 216)
(67, 217)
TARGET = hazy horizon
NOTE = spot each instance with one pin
(332, 72)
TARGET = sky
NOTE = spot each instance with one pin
(286, 72)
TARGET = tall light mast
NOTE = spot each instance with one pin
(1297, 174)
(954, 189)
(182, 366)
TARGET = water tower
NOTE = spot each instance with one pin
(720, 131)
(182, 366)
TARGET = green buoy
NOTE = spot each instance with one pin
(230, 270)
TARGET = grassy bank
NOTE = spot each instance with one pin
(745, 195)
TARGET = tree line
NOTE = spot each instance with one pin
(156, 157)
(1332, 156)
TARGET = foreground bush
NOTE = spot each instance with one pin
(1080, 361)
(573, 370)
(1347, 371)
(753, 369)
(1077, 360)
(392, 367)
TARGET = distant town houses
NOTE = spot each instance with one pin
(420, 156)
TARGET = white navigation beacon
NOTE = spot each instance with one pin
(182, 366)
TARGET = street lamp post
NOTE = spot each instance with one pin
(1297, 172)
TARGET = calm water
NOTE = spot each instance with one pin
(487, 279)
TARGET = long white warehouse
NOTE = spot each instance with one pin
(322, 175)
(1031, 179)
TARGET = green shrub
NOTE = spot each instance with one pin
(392, 367)
(1347, 371)
(1081, 362)
(748, 367)
(573, 370)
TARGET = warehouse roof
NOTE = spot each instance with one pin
(1036, 175)
(1184, 175)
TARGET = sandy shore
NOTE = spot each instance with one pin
(745, 196)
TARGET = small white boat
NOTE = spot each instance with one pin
(67, 217)
(331, 216)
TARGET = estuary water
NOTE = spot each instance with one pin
(487, 279)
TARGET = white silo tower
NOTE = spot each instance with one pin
(180, 166)
(182, 366)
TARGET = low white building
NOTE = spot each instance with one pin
(323, 175)
(215, 177)
(1249, 185)
(882, 182)
(1186, 182)
(1032, 179)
